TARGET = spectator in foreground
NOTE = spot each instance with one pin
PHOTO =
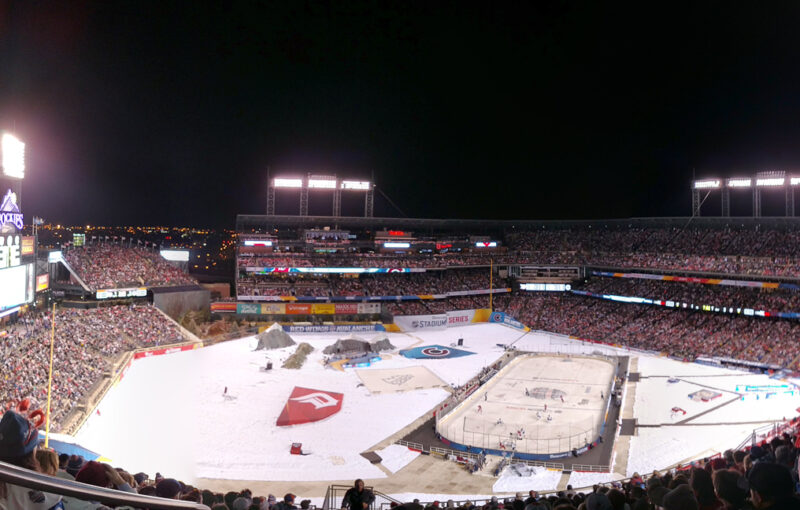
(357, 497)
(771, 487)
(18, 441)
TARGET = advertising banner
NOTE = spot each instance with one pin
(323, 308)
(42, 282)
(248, 308)
(223, 307)
(346, 308)
(298, 309)
(506, 320)
(165, 350)
(369, 308)
(273, 308)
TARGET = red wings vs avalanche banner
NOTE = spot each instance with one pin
(306, 405)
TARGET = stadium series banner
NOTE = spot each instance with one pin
(442, 321)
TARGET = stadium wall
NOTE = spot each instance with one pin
(176, 301)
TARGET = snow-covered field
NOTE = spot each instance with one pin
(168, 413)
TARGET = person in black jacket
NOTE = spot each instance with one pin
(358, 498)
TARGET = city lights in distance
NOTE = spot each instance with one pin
(355, 185)
(279, 182)
(13, 150)
(770, 181)
(706, 184)
(322, 183)
(739, 183)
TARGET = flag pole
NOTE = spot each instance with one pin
(50, 377)
(491, 265)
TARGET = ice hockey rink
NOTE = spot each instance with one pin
(541, 404)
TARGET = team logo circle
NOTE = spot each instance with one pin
(435, 352)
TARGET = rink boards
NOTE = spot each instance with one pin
(540, 406)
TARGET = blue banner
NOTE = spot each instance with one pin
(334, 328)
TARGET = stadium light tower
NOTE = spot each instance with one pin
(13, 156)
(314, 182)
(761, 181)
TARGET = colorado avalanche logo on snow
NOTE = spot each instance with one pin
(434, 352)
(306, 405)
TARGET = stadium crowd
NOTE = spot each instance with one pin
(108, 266)
(681, 332)
(86, 343)
(776, 300)
(756, 251)
(402, 284)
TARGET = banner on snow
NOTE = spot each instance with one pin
(306, 405)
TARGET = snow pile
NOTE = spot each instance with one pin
(297, 359)
(395, 457)
(381, 343)
(522, 478)
(274, 338)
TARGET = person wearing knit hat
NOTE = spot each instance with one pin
(656, 494)
(771, 486)
(287, 503)
(680, 498)
(18, 442)
(100, 475)
(598, 501)
(168, 488)
(241, 503)
(74, 464)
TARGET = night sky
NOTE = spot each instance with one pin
(141, 113)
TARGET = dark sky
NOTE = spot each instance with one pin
(170, 113)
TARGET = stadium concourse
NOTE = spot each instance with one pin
(230, 429)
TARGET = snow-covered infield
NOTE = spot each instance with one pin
(168, 413)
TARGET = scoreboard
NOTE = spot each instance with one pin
(17, 271)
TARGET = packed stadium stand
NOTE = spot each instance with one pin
(106, 265)
(89, 342)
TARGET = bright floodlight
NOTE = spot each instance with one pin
(287, 183)
(706, 184)
(739, 183)
(795, 181)
(322, 183)
(356, 185)
(13, 156)
(771, 181)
